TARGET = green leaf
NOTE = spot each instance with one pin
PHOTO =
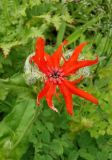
(17, 125)
(84, 140)
(45, 136)
(3, 93)
(84, 154)
(50, 127)
(73, 155)
(61, 33)
(78, 31)
(57, 147)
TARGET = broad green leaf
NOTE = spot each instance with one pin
(17, 125)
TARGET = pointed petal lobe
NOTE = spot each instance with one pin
(77, 80)
(75, 55)
(57, 54)
(50, 95)
(68, 98)
(43, 92)
(77, 51)
(79, 92)
(78, 65)
(40, 48)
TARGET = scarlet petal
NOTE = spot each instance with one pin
(68, 98)
(79, 92)
(77, 51)
(74, 56)
(38, 58)
(65, 42)
(40, 48)
(50, 95)
(39, 52)
(48, 59)
(43, 92)
(77, 80)
(57, 54)
(42, 65)
(79, 65)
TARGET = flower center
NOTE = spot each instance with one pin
(55, 75)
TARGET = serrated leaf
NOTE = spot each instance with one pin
(84, 154)
(50, 127)
(57, 147)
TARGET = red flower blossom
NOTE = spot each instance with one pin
(56, 74)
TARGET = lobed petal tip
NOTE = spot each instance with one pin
(70, 113)
(97, 102)
(96, 60)
(83, 44)
(39, 41)
(38, 103)
(86, 43)
(65, 42)
(40, 38)
(54, 109)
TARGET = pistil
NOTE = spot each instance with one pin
(55, 75)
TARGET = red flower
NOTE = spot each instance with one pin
(56, 74)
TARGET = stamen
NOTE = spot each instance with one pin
(55, 75)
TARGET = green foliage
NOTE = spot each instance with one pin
(28, 132)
